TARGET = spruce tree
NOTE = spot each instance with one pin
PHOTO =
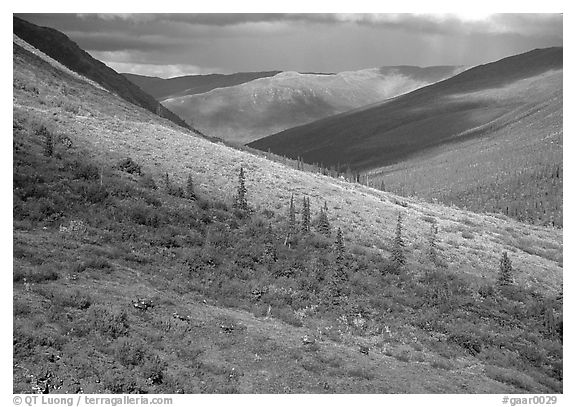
(240, 201)
(339, 245)
(190, 193)
(398, 256)
(48, 141)
(291, 227)
(292, 215)
(306, 215)
(432, 247)
(270, 254)
(167, 184)
(323, 224)
(337, 285)
(505, 276)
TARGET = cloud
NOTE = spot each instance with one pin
(195, 43)
(521, 24)
(161, 71)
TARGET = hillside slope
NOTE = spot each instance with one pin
(391, 131)
(123, 286)
(265, 106)
(162, 89)
(514, 168)
(59, 47)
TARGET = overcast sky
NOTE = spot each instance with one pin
(168, 45)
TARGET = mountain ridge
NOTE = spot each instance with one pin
(62, 49)
(161, 88)
(386, 124)
(254, 109)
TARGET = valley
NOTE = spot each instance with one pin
(267, 105)
(137, 270)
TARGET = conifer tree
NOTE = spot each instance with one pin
(550, 321)
(505, 276)
(337, 285)
(190, 193)
(292, 215)
(432, 248)
(306, 215)
(291, 221)
(323, 224)
(240, 201)
(270, 254)
(48, 141)
(167, 184)
(398, 256)
(339, 245)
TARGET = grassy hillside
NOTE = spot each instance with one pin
(222, 304)
(162, 89)
(515, 169)
(265, 106)
(59, 47)
(484, 140)
(393, 130)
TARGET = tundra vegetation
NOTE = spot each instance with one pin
(89, 241)
(126, 282)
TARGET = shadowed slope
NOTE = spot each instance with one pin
(264, 106)
(392, 130)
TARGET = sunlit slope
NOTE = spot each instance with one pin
(113, 129)
(76, 327)
(264, 106)
(481, 98)
(60, 48)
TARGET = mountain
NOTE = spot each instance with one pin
(260, 107)
(125, 282)
(59, 47)
(162, 89)
(464, 106)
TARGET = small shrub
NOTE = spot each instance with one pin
(287, 315)
(419, 357)
(20, 308)
(128, 352)
(83, 170)
(153, 370)
(92, 192)
(36, 275)
(148, 182)
(111, 323)
(128, 165)
(98, 263)
(361, 373)
(48, 140)
(312, 366)
(77, 300)
(118, 381)
(512, 377)
(467, 235)
(441, 363)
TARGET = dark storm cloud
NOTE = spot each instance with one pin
(303, 42)
(521, 24)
